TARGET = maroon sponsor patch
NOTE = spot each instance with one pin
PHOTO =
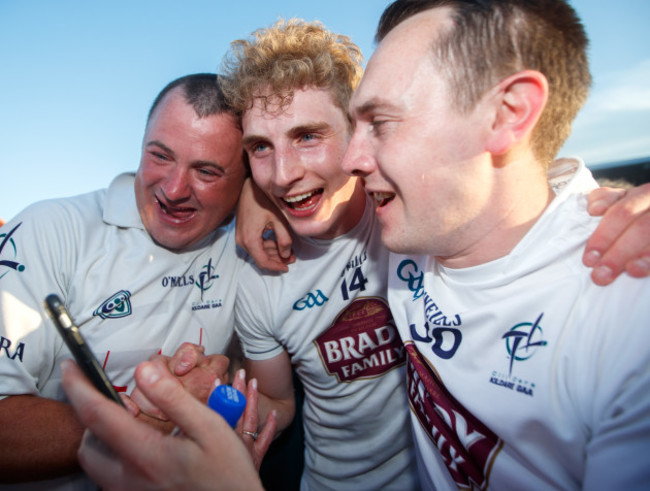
(362, 342)
(467, 446)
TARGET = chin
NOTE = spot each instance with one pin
(394, 242)
(313, 230)
(171, 242)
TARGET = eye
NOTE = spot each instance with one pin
(307, 137)
(258, 148)
(209, 172)
(206, 172)
(377, 127)
(159, 155)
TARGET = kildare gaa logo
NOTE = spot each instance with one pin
(523, 340)
(206, 277)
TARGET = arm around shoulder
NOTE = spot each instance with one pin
(622, 240)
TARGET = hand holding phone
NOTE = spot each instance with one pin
(78, 347)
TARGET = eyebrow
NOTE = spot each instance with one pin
(247, 140)
(373, 105)
(310, 127)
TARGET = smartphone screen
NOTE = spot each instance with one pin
(79, 348)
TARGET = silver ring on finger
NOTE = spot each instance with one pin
(252, 434)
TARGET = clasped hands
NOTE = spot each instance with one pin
(200, 374)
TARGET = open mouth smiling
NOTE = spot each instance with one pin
(303, 201)
(176, 212)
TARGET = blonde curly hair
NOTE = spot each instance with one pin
(287, 56)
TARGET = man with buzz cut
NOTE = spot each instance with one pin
(522, 373)
(142, 266)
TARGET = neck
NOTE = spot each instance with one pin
(519, 195)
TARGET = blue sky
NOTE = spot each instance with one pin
(78, 78)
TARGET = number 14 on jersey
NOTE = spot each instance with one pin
(357, 282)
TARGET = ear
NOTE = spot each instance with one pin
(518, 102)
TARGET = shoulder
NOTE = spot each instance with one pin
(625, 303)
(55, 215)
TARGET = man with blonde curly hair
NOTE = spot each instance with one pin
(328, 316)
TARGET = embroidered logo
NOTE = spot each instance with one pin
(116, 306)
(9, 251)
(523, 340)
(311, 300)
(206, 277)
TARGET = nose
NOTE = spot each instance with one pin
(288, 168)
(358, 159)
(176, 186)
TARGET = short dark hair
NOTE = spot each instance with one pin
(201, 90)
(492, 39)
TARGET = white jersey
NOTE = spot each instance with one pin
(130, 297)
(330, 314)
(523, 374)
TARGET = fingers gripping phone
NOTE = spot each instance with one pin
(78, 347)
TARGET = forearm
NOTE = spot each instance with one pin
(285, 410)
(275, 387)
(40, 438)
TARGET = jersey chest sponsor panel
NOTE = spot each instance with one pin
(347, 330)
(362, 342)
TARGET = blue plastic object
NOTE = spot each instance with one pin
(228, 402)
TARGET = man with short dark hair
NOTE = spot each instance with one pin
(522, 373)
(142, 266)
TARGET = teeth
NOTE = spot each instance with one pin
(169, 210)
(299, 197)
(379, 197)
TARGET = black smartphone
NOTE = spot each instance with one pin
(78, 347)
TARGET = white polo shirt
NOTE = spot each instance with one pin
(130, 297)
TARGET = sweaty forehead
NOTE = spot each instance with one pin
(403, 52)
